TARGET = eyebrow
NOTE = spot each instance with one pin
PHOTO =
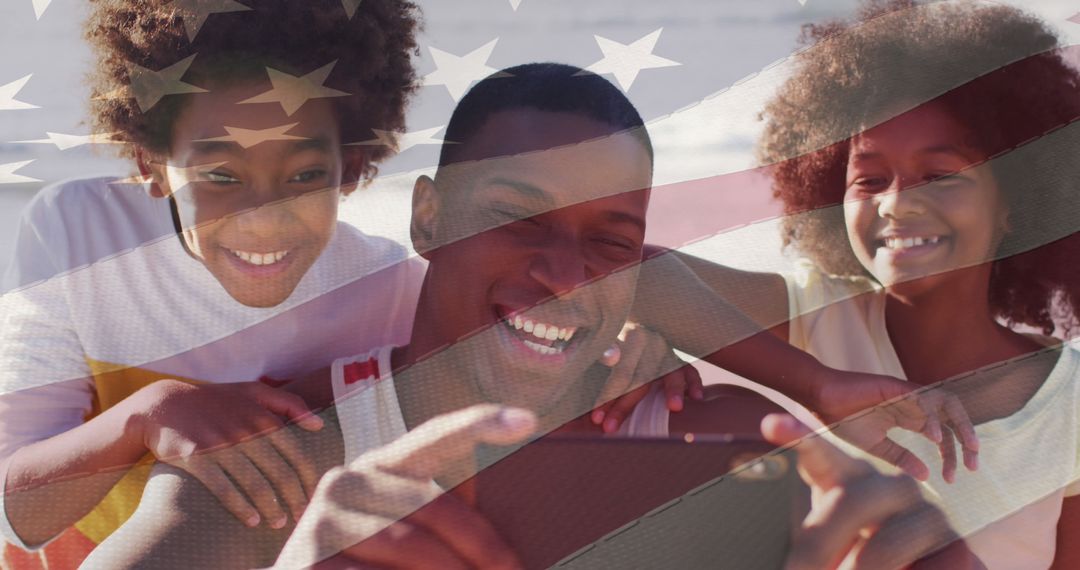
(625, 218)
(524, 188)
(232, 147)
(937, 149)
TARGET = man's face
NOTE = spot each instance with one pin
(259, 209)
(537, 251)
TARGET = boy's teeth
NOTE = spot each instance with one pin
(518, 323)
(540, 330)
(528, 326)
(260, 258)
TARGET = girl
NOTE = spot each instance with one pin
(924, 156)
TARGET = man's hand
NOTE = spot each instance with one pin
(862, 408)
(861, 518)
(639, 358)
(230, 437)
(369, 512)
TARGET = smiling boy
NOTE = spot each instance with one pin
(158, 349)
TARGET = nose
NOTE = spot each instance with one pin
(269, 210)
(559, 266)
(900, 200)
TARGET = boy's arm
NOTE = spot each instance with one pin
(180, 524)
(52, 483)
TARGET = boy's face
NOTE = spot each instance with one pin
(258, 206)
(542, 245)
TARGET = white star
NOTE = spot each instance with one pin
(403, 141)
(148, 86)
(8, 93)
(626, 61)
(195, 12)
(350, 7)
(248, 138)
(39, 7)
(64, 142)
(180, 176)
(457, 73)
(8, 176)
(136, 180)
(292, 91)
(514, 4)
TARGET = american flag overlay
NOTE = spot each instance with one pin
(539, 283)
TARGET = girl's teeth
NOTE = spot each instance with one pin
(528, 326)
(552, 333)
(517, 323)
(905, 243)
(540, 330)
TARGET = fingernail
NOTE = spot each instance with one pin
(611, 354)
(252, 521)
(597, 417)
(279, 522)
(676, 403)
(611, 425)
(516, 418)
(699, 394)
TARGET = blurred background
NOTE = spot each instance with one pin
(702, 113)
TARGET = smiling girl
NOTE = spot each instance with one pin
(924, 156)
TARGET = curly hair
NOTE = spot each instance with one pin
(372, 49)
(1000, 73)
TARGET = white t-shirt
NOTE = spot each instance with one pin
(74, 223)
(366, 402)
(150, 310)
(1028, 462)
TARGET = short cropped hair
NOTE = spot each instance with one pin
(551, 87)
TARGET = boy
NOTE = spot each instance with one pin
(253, 190)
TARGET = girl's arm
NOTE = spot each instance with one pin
(1067, 554)
(725, 316)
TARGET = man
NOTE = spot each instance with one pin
(533, 228)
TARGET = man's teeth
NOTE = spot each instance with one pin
(260, 258)
(905, 243)
(545, 350)
(543, 331)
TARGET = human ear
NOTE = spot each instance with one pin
(425, 213)
(354, 163)
(152, 168)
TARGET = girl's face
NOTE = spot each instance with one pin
(916, 207)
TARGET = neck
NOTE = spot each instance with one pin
(948, 330)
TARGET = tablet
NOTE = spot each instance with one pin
(595, 502)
